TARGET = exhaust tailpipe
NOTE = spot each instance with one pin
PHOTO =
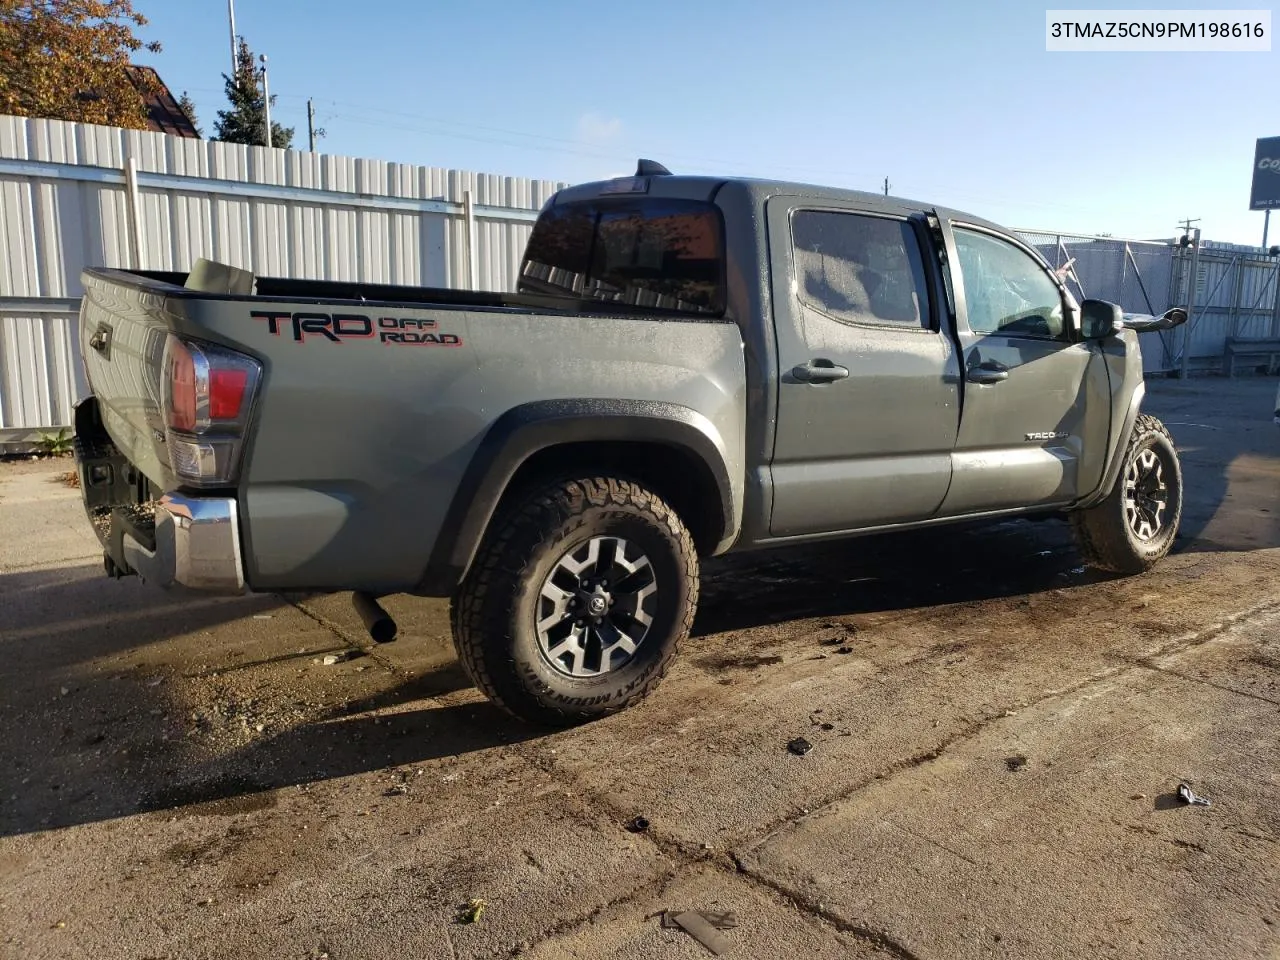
(376, 620)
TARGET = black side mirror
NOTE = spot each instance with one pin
(1100, 319)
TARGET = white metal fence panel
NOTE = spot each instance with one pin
(77, 195)
(41, 377)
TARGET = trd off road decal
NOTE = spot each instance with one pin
(337, 327)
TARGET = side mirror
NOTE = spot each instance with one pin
(1100, 319)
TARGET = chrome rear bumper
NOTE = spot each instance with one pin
(197, 545)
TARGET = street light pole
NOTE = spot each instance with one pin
(266, 98)
(231, 17)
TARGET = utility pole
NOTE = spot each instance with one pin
(1266, 226)
(1187, 327)
(886, 186)
(231, 16)
(266, 98)
(311, 126)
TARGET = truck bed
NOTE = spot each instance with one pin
(374, 401)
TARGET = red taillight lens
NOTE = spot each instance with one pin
(226, 393)
(182, 387)
(208, 391)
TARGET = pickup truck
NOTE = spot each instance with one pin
(690, 365)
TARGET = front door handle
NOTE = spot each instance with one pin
(989, 372)
(819, 371)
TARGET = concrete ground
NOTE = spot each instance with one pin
(997, 737)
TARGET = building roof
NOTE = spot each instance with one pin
(163, 113)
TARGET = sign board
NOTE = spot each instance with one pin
(1266, 175)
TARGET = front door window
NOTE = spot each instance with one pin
(1006, 290)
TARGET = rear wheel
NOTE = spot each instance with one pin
(577, 601)
(1135, 525)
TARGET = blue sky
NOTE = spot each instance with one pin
(957, 103)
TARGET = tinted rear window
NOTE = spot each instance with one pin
(661, 254)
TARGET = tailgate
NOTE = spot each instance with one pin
(123, 327)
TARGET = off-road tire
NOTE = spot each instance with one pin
(493, 612)
(1104, 534)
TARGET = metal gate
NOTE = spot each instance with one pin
(1233, 297)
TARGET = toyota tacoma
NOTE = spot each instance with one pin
(689, 366)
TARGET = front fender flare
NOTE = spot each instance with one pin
(1115, 456)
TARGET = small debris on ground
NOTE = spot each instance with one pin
(1138, 796)
(637, 825)
(471, 911)
(1015, 763)
(342, 656)
(703, 925)
(399, 790)
(1186, 795)
(799, 746)
(826, 726)
(845, 649)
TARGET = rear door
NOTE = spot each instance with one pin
(1036, 415)
(868, 396)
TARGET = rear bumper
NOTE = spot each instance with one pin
(196, 544)
(173, 541)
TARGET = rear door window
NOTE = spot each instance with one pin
(661, 254)
(860, 269)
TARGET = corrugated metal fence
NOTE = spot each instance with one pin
(1137, 274)
(75, 195)
(1237, 298)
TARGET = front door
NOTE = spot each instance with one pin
(868, 393)
(1033, 393)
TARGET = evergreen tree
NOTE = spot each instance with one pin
(188, 107)
(246, 118)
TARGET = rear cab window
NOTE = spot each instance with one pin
(665, 255)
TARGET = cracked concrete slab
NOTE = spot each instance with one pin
(1082, 849)
(632, 931)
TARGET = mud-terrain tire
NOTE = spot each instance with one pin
(567, 577)
(1134, 527)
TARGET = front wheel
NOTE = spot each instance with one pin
(1135, 525)
(577, 601)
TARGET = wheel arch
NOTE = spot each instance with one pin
(672, 449)
(1121, 434)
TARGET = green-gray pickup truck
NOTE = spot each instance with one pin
(690, 366)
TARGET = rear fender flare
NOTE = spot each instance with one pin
(529, 428)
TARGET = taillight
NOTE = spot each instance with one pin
(207, 394)
(180, 368)
(226, 393)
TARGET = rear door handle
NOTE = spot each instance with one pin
(819, 371)
(989, 372)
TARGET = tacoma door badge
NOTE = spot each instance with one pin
(1059, 435)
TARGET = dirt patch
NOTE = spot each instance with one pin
(744, 662)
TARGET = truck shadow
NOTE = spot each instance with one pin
(922, 568)
(92, 733)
